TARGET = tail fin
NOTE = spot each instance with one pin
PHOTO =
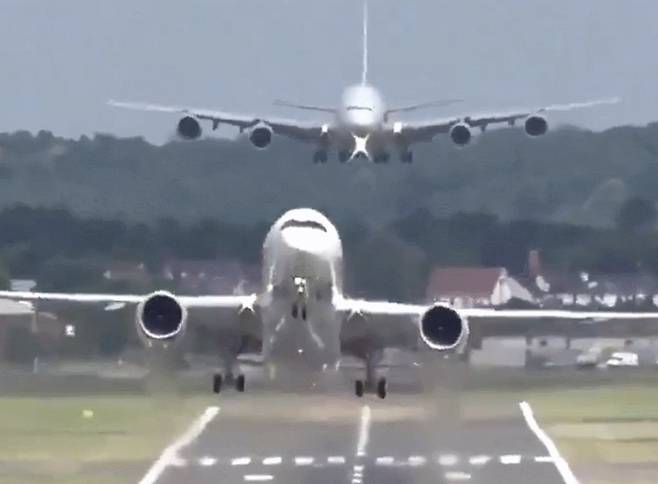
(364, 68)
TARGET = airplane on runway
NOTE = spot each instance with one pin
(301, 318)
(362, 125)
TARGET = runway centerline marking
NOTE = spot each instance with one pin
(170, 454)
(559, 461)
(362, 444)
(364, 431)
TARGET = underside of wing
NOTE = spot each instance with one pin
(407, 326)
(190, 128)
(459, 127)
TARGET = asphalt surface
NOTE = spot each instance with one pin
(337, 438)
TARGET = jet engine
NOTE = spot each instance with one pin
(460, 134)
(443, 329)
(260, 136)
(189, 128)
(536, 125)
(160, 318)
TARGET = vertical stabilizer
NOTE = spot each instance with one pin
(364, 68)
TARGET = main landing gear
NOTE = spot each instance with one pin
(220, 379)
(371, 384)
(380, 388)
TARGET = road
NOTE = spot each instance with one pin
(337, 438)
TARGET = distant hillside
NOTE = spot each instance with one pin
(570, 175)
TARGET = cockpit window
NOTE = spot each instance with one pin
(304, 223)
(359, 108)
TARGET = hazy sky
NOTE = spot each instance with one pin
(62, 59)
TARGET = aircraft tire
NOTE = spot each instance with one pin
(217, 381)
(240, 383)
(359, 388)
(382, 388)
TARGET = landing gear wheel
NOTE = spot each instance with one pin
(304, 313)
(295, 311)
(240, 383)
(382, 387)
(343, 156)
(359, 388)
(217, 380)
(407, 157)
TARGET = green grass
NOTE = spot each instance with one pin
(608, 433)
(49, 439)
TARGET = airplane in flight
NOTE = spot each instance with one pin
(362, 126)
(301, 319)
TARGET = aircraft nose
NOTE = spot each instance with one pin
(306, 240)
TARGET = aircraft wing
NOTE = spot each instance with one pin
(291, 128)
(186, 301)
(395, 325)
(222, 313)
(418, 131)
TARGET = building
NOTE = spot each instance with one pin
(212, 276)
(475, 286)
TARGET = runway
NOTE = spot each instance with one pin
(340, 439)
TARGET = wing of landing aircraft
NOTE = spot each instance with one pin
(421, 131)
(163, 316)
(387, 324)
(295, 129)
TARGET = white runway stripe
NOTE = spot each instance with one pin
(510, 459)
(303, 461)
(241, 461)
(170, 454)
(364, 431)
(258, 477)
(417, 460)
(544, 458)
(448, 460)
(207, 461)
(457, 476)
(272, 461)
(385, 461)
(479, 460)
(561, 464)
(336, 459)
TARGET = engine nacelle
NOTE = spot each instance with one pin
(461, 134)
(536, 125)
(160, 318)
(189, 128)
(442, 328)
(260, 136)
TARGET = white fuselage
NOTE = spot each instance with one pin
(302, 273)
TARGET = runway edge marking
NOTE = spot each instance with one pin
(559, 461)
(170, 454)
